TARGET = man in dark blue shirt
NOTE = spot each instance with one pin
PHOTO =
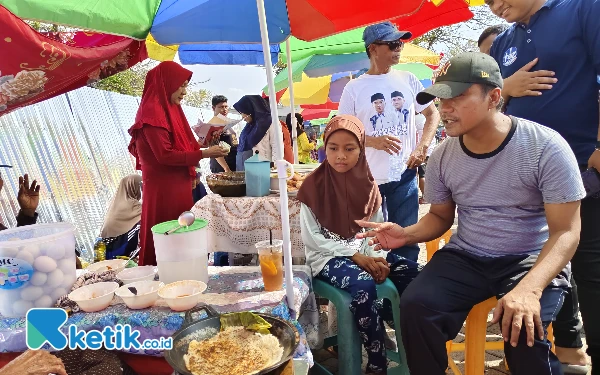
(555, 46)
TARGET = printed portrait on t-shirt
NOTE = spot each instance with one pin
(386, 105)
(400, 112)
(382, 117)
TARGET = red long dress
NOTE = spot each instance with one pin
(166, 152)
(167, 185)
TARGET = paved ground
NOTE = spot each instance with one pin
(494, 359)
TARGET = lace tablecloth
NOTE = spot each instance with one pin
(236, 224)
(230, 289)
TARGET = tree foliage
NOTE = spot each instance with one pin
(46, 27)
(131, 82)
(198, 98)
(128, 82)
(461, 37)
(277, 68)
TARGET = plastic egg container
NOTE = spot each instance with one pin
(37, 266)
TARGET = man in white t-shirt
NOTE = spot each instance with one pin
(392, 151)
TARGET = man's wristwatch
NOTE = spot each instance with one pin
(598, 146)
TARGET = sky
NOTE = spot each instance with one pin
(231, 81)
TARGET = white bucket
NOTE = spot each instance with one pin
(181, 255)
(37, 266)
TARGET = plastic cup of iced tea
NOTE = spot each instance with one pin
(270, 258)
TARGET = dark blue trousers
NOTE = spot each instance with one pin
(436, 304)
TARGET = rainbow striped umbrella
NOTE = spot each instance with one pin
(320, 90)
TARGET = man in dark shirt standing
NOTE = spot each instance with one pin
(28, 198)
(558, 43)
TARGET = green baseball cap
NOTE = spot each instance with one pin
(460, 73)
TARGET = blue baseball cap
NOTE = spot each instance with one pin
(384, 32)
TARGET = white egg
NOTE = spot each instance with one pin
(57, 293)
(31, 293)
(9, 296)
(26, 256)
(39, 278)
(68, 281)
(69, 245)
(55, 250)
(55, 278)
(9, 252)
(33, 250)
(67, 265)
(44, 301)
(6, 309)
(7, 299)
(21, 307)
(44, 264)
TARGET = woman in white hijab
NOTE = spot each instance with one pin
(122, 223)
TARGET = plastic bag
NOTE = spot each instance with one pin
(247, 320)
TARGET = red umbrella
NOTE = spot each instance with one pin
(314, 19)
(313, 111)
(328, 105)
(311, 114)
(430, 17)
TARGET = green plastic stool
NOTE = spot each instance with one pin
(348, 340)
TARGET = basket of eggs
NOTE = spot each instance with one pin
(227, 184)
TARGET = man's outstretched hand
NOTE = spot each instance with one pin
(29, 195)
(383, 235)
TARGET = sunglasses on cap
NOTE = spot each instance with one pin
(393, 45)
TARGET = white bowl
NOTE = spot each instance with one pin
(94, 297)
(147, 294)
(135, 274)
(182, 295)
(116, 265)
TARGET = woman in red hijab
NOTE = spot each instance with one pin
(165, 150)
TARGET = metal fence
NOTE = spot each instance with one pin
(75, 145)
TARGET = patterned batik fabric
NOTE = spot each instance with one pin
(368, 311)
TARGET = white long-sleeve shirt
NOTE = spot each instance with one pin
(266, 148)
(321, 245)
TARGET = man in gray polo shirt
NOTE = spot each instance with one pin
(518, 188)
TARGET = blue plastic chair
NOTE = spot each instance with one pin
(348, 340)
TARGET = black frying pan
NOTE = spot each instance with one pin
(211, 325)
